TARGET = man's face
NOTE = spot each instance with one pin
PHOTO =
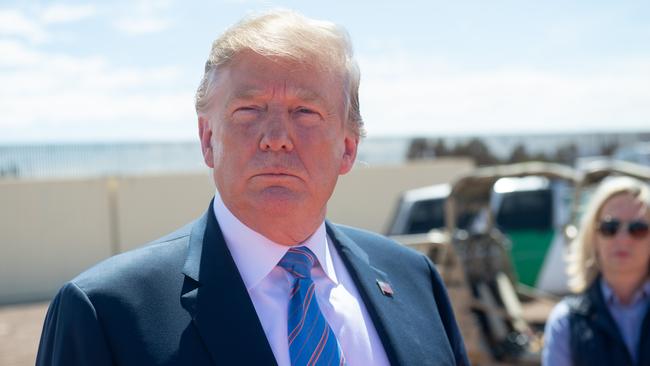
(276, 137)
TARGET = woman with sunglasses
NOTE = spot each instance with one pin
(607, 321)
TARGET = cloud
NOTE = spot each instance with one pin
(60, 95)
(33, 25)
(60, 13)
(146, 25)
(407, 96)
(14, 54)
(144, 16)
(15, 23)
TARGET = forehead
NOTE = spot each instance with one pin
(251, 75)
(624, 205)
(253, 91)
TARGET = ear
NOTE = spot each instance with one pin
(205, 135)
(351, 143)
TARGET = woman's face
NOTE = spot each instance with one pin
(622, 238)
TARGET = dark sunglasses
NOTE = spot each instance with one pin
(637, 229)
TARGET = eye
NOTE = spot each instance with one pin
(246, 113)
(247, 109)
(307, 114)
(305, 110)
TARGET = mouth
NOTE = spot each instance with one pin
(621, 254)
(276, 172)
(276, 176)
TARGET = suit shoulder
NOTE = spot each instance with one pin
(183, 232)
(362, 234)
(158, 259)
(372, 242)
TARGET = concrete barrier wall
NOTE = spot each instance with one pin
(52, 230)
(150, 207)
(49, 232)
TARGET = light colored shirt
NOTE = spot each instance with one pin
(269, 286)
(628, 318)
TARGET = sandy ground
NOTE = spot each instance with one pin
(20, 330)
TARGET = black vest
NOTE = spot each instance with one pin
(595, 337)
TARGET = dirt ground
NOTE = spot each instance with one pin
(20, 330)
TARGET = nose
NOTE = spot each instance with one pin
(623, 237)
(276, 135)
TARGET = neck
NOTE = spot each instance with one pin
(624, 286)
(285, 233)
(283, 223)
(286, 230)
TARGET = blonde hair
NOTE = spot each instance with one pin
(287, 35)
(583, 266)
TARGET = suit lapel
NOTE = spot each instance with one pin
(384, 310)
(215, 296)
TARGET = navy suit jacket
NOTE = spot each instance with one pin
(182, 301)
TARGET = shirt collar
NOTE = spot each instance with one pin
(255, 255)
(610, 297)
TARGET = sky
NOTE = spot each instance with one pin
(73, 71)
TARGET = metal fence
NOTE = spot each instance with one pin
(93, 160)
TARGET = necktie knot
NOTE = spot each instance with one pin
(298, 261)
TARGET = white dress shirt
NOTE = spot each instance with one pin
(268, 285)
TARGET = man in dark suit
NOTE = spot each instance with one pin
(262, 278)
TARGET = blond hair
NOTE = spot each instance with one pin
(583, 266)
(287, 35)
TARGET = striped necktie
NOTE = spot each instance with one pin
(311, 340)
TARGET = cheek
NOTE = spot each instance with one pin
(231, 139)
(217, 151)
(646, 249)
(319, 140)
(601, 248)
(329, 158)
(223, 146)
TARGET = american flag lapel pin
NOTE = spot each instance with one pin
(385, 288)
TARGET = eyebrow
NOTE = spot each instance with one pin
(308, 95)
(245, 94)
(298, 93)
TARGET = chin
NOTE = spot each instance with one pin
(280, 199)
